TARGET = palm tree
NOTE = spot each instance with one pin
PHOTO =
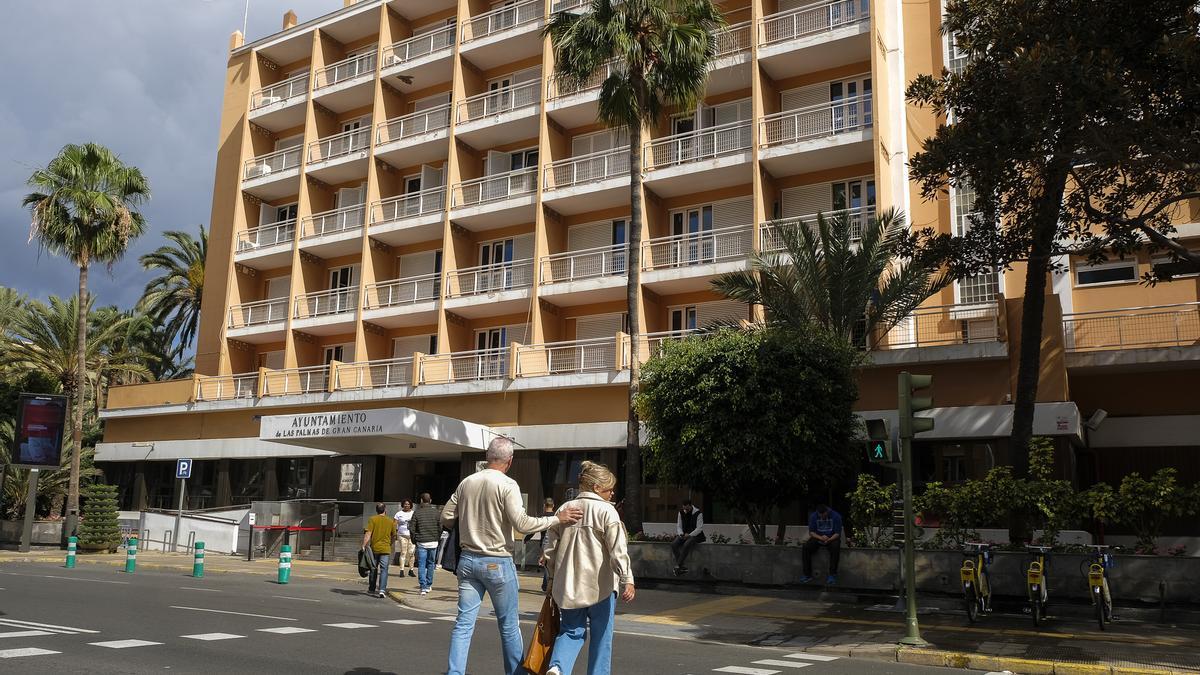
(84, 206)
(10, 306)
(664, 48)
(173, 297)
(825, 275)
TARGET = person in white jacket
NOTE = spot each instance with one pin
(588, 564)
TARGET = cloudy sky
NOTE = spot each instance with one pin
(143, 77)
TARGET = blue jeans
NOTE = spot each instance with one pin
(426, 563)
(498, 577)
(379, 572)
(571, 631)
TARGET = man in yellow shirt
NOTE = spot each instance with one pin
(379, 535)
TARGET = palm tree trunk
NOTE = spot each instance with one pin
(80, 393)
(633, 270)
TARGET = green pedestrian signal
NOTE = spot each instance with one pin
(879, 443)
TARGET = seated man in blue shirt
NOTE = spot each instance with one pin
(824, 529)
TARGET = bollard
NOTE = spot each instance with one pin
(198, 566)
(72, 543)
(285, 563)
(131, 555)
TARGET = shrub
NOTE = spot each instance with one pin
(871, 512)
(100, 529)
(1142, 505)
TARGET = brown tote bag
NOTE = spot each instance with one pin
(537, 657)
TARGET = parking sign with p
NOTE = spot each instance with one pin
(183, 469)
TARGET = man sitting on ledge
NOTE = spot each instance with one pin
(824, 529)
(689, 531)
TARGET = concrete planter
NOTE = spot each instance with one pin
(44, 533)
(1135, 577)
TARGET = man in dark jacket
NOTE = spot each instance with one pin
(425, 528)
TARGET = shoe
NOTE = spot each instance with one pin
(805, 579)
(412, 573)
(831, 580)
(372, 593)
(683, 570)
(677, 571)
(554, 671)
(424, 591)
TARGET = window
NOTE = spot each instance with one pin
(523, 159)
(1167, 260)
(693, 245)
(853, 196)
(1116, 272)
(683, 318)
(983, 287)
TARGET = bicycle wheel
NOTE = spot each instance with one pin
(972, 605)
(1098, 602)
(1037, 613)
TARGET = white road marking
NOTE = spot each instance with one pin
(18, 623)
(808, 656)
(286, 630)
(351, 625)
(207, 590)
(51, 576)
(745, 671)
(445, 618)
(124, 644)
(288, 597)
(782, 663)
(406, 622)
(27, 651)
(25, 633)
(209, 637)
(223, 611)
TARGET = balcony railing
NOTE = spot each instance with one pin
(410, 205)
(482, 364)
(506, 99)
(258, 313)
(816, 121)
(650, 344)
(717, 245)
(770, 239)
(568, 5)
(417, 46)
(697, 145)
(326, 303)
(1133, 328)
(495, 187)
(400, 292)
(308, 380)
(265, 165)
(280, 91)
(733, 39)
(502, 19)
(596, 166)
(226, 387)
(555, 90)
(344, 70)
(344, 219)
(563, 358)
(584, 264)
(813, 19)
(374, 374)
(414, 124)
(340, 145)
(266, 235)
(489, 279)
(945, 325)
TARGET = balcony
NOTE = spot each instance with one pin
(471, 366)
(362, 375)
(326, 312)
(770, 241)
(495, 201)
(419, 62)
(591, 182)
(226, 387)
(574, 357)
(498, 117)
(489, 290)
(650, 344)
(410, 218)
(258, 322)
(584, 277)
(943, 334)
(696, 161)
(293, 381)
(1156, 336)
(816, 137)
(689, 262)
(418, 138)
(730, 70)
(503, 35)
(411, 301)
(814, 37)
(334, 233)
(273, 175)
(340, 158)
(266, 246)
(577, 106)
(576, 6)
(345, 85)
(277, 107)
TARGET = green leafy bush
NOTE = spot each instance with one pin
(100, 530)
(871, 512)
(1142, 505)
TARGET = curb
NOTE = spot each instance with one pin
(167, 566)
(950, 659)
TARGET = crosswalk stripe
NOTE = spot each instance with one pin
(124, 644)
(809, 656)
(745, 671)
(782, 663)
(208, 637)
(445, 618)
(286, 630)
(18, 623)
(25, 633)
(406, 622)
(27, 651)
(351, 625)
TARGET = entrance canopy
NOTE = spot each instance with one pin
(382, 431)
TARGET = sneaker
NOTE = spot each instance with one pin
(411, 573)
(554, 671)
(683, 570)
(383, 594)
(831, 580)
(805, 579)
(424, 591)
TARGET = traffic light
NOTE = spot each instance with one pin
(879, 442)
(909, 404)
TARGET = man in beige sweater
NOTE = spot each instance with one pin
(486, 508)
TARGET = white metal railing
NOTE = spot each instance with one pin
(346, 69)
(258, 313)
(771, 240)
(410, 205)
(400, 292)
(816, 121)
(489, 279)
(414, 124)
(1133, 327)
(372, 374)
(266, 235)
(584, 264)
(589, 168)
(945, 325)
(695, 248)
(481, 364)
(813, 19)
(502, 19)
(280, 91)
(339, 145)
(568, 5)
(344, 219)
(495, 102)
(697, 145)
(733, 39)
(307, 380)
(326, 303)
(417, 46)
(225, 387)
(561, 358)
(555, 90)
(650, 344)
(274, 162)
(495, 187)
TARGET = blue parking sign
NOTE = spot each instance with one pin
(183, 468)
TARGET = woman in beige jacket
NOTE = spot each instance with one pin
(588, 563)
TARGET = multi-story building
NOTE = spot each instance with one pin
(419, 240)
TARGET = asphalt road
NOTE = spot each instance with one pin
(97, 620)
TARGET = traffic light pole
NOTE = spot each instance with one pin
(905, 401)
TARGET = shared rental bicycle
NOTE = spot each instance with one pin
(1101, 561)
(1036, 582)
(977, 588)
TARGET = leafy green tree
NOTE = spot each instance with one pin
(1074, 122)
(84, 205)
(101, 527)
(826, 275)
(871, 512)
(173, 297)
(752, 417)
(1143, 505)
(663, 49)
(1053, 503)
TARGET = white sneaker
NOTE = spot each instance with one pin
(424, 592)
(554, 671)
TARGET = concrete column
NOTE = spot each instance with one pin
(271, 477)
(223, 489)
(139, 486)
